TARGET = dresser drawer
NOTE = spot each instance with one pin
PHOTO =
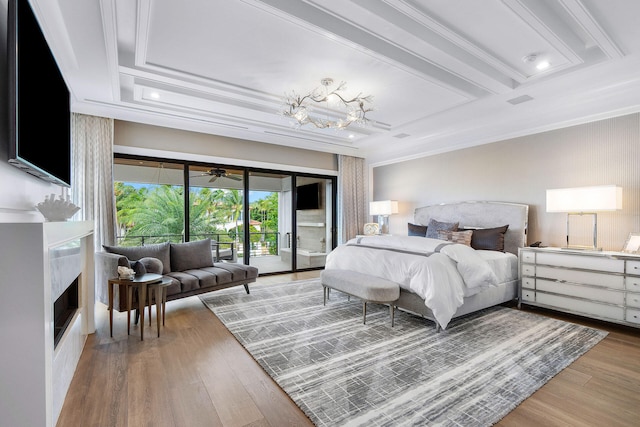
(587, 292)
(633, 267)
(633, 316)
(633, 300)
(528, 270)
(576, 276)
(528, 295)
(528, 256)
(587, 308)
(580, 261)
(529, 282)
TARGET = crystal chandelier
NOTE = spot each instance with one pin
(307, 109)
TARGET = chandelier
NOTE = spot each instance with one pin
(308, 109)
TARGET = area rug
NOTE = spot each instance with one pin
(342, 372)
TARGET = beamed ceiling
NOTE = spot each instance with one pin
(444, 75)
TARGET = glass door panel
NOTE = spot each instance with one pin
(149, 201)
(215, 210)
(314, 221)
(270, 222)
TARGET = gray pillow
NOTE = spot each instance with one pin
(416, 230)
(152, 265)
(191, 255)
(434, 226)
(137, 267)
(134, 253)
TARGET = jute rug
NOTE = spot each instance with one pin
(343, 373)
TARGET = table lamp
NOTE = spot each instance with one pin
(383, 209)
(584, 201)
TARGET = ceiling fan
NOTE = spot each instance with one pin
(216, 173)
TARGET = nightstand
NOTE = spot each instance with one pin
(597, 284)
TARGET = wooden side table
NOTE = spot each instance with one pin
(141, 282)
(159, 291)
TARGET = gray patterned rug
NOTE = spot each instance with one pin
(343, 373)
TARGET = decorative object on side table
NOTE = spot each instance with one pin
(126, 273)
(59, 209)
(371, 229)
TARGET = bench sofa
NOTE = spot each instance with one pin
(189, 266)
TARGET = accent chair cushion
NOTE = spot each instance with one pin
(191, 255)
(434, 226)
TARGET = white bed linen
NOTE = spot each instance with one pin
(503, 264)
(441, 272)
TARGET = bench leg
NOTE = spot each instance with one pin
(324, 295)
(392, 312)
(246, 288)
(364, 312)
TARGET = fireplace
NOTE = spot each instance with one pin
(63, 310)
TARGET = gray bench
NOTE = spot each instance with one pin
(367, 288)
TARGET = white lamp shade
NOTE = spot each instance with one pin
(383, 207)
(585, 199)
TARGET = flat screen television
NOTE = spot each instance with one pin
(308, 196)
(39, 108)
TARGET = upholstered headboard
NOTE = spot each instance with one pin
(482, 214)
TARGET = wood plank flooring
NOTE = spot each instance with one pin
(197, 374)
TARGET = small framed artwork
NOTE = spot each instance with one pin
(632, 245)
(371, 229)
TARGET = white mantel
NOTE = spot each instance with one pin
(35, 377)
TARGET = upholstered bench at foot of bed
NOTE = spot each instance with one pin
(367, 288)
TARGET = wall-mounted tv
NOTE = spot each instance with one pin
(308, 196)
(39, 109)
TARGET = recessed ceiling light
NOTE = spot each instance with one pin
(543, 65)
(351, 136)
(154, 95)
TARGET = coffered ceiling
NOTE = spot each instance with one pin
(443, 74)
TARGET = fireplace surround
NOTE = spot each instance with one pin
(36, 267)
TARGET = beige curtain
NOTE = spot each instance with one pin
(92, 175)
(352, 197)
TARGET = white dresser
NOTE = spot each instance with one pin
(601, 285)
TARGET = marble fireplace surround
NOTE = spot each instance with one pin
(41, 262)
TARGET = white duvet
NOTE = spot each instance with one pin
(441, 272)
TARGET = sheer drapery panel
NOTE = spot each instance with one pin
(352, 197)
(92, 175)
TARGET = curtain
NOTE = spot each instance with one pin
(92, 175)
(352, 197)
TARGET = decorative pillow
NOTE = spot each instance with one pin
(463, 237)
(152, 265)
(491, 239)
(134, 253)
(434, 226)
(138, 267)
(416, 230)
(191, 255)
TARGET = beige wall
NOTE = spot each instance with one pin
(238, 152)
(520, 170)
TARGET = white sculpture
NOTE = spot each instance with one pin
(57, 209)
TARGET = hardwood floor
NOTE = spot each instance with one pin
(197, 374)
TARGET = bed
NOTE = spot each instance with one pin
(458, 271)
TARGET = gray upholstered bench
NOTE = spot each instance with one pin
(367, 288)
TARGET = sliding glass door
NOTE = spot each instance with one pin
(277, 221)
(314, 221)
(270, 222)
